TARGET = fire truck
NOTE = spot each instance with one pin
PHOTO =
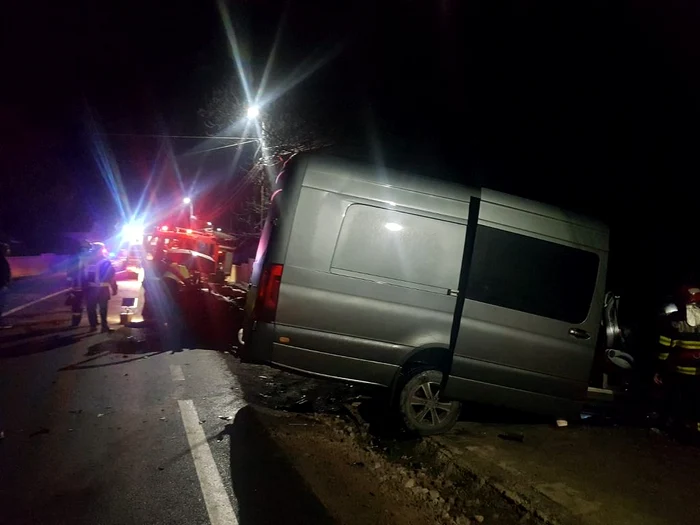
(217, 245)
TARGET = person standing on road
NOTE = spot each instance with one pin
(100, 277)
(5, 279)
(679, 370)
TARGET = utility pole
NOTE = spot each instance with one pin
(262, 205)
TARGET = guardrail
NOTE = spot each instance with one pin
(46, 263)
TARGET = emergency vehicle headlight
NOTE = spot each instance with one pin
(132, 231)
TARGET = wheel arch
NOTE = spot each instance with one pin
(436, 356)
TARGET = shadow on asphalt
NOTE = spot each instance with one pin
(32, 332)
(268, 489)
(128, 347)
(31, 347)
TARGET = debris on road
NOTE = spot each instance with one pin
(226, 418)
(562, 423)
(100, 415)
(163, 419)
(39, 432)
(512, 436)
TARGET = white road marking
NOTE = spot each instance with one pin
(23, 306)
(215, 498)
(176, 372)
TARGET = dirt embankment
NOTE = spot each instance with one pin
(361, 481)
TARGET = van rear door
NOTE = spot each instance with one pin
(266, 278)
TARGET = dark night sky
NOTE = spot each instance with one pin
(592, 105)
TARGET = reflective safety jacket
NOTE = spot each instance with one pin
(76, 273)
(100, 275)
(679, 349)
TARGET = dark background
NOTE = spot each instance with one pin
(590, 106)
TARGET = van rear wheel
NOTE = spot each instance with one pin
(420, 405)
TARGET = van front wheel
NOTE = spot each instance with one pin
(422, 410)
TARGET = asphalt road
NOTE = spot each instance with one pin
(100, 429)
(29, 289)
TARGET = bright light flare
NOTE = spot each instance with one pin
(253, 112)
(393, 227)
(132, 232)
(186, 200)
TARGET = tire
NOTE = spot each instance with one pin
(419, 404)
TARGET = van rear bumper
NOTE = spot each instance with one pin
(255, 342)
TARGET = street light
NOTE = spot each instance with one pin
(253, 112)
(186, 201)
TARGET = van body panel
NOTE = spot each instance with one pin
(372, 261)
(494, 394)
(517, 378)
(333, 365)
(339, 305)
(343, 345)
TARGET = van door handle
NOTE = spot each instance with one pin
(579, 334)
(453, 293)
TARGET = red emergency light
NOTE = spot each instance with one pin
(164, 228)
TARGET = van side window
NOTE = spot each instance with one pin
(409, 249)
(531, 275)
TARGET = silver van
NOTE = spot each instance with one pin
(440, 292)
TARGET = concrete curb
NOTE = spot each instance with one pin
(500, 479)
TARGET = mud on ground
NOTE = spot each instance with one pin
(348, 449)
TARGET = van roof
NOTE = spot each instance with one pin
(341, 168)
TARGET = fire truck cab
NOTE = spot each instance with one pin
(166, 238)
(218, 246)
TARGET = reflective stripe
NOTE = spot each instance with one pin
(679, 343)
(698, 427)
(688, 345)
(687, 370)
(663, 356)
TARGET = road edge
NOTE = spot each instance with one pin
(501, 479)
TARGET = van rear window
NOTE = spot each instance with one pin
(532, 275)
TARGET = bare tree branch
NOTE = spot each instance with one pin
(286, 131)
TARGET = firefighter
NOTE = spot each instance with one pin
(679, 365)
(100, 277)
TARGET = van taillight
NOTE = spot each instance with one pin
(268, 293)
